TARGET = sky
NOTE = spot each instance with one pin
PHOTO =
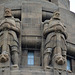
(72, 5)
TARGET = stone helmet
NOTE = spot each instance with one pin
(56, 15)
(7, 12)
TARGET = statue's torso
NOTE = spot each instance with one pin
(10, 21)
(7, 34)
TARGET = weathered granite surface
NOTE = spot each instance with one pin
(45, 27)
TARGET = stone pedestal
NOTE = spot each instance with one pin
(5, 71)
(59, 72)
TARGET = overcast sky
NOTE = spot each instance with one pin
(72, 5)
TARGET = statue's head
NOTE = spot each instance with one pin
(7, 12)
(56, 15)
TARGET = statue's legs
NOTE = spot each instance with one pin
(47, 58)
(58, 50)
(15, 55)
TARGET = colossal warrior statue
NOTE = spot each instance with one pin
(9, 42)
(55, 45)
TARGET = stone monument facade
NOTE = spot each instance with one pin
(37, 37)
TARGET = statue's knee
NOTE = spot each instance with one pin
(48, 50)
(64, 53)
(14, 49)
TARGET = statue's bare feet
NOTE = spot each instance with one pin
(47, 67)
(15, 67)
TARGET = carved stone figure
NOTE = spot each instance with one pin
(9, 35)
(55, 44)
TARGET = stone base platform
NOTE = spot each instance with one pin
(33, 71)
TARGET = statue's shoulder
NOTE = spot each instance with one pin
(17, 20)
(46, 21)
(2, 20)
